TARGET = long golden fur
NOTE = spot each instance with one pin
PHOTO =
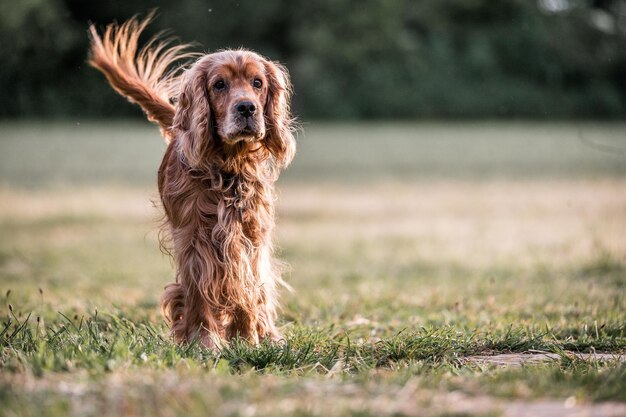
(227, 123)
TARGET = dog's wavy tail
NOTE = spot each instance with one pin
(147, 76)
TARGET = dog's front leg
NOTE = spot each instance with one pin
(243, 325)
(266, 327)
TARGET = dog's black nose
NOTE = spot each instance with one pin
(246, 108)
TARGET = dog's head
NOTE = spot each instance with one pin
(230, 99)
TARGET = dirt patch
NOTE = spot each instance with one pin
(463, 404)
(536, 358)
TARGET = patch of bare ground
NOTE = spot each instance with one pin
(538, 357)
(456, 402)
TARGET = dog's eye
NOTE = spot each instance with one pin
(219, 85)
(257, 83)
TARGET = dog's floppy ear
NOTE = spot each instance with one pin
(279, 138)
(192, 121)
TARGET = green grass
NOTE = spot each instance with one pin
(412, 249)
(38, 154)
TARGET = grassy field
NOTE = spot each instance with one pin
(415, 249)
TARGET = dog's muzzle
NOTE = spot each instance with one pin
(246, 123)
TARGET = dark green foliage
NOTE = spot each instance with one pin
(348, 59)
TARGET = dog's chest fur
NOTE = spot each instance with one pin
(231, 205)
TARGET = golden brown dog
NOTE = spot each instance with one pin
(229, 130)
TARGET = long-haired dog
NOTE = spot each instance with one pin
(226, 119)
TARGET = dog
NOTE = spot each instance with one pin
(227, 123)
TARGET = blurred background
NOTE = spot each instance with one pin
(368, 59)
(441, 141)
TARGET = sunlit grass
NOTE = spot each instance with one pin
(406, 262)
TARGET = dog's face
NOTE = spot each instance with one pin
(230, 99)
(237, 91)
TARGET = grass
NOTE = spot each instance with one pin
(412, 248)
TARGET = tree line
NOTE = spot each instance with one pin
(366, 59)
